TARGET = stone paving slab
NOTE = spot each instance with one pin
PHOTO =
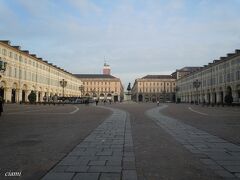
(217, 154)
(107, 153)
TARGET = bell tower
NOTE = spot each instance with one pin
(106, 69)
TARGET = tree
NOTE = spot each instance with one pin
(32, 97)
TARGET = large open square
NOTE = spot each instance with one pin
(120, 90)
(120, 141)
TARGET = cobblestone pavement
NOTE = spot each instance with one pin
(34, 141)
(107, 153)
(217, 154)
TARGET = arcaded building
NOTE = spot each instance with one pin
(22, 72)
(213, 82)
(101, 86)
(152, 88)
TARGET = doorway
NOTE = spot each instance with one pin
(13, 96)
(23, 96)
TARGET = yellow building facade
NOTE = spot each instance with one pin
(26, 72)
(101, 86)
(152, 88)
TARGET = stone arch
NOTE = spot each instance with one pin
(238, 92)
(101, 96)
(24, 92)
(14, 92)
(140, 97)
(3, 86)
(214, 96)
(109, 96)
(228, 90)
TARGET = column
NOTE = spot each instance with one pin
(19, 96)
(206, 98)
(235, 96)
(41, 96)
(27, 92)
(212, 97)
(224, 94)
(36, 92)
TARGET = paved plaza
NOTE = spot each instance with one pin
(120, 141)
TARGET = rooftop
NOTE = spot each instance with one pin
(157, 77)
(26, 52)
(190, 69)
(104, 76)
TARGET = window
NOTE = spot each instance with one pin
(4, 52)
(10, 71)
(20, 73)
(15, 72)
(228, 77)
(10, 54)
(238, 75)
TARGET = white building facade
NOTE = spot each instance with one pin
(215, 81)
(26, 72)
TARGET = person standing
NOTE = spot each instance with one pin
(1, 105)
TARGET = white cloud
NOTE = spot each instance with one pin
(154, 38)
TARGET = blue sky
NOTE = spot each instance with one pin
(136, 37)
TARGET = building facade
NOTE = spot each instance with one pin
(213, 82)
(101, 86)
(26, 72)
(179, 73)
(152, 88)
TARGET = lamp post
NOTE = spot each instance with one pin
(63, 83)
(196, 84)
(81, 88)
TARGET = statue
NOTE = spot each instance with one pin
(129, 88)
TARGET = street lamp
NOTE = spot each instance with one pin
(63, 83)
(196, 84)
(81, 88)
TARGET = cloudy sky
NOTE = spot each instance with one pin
(136, 37)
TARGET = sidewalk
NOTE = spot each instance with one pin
(107, 153)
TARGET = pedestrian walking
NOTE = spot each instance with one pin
(44, 100)
(96, 102)
(1, 105)
(157, 103)
(55, 99)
